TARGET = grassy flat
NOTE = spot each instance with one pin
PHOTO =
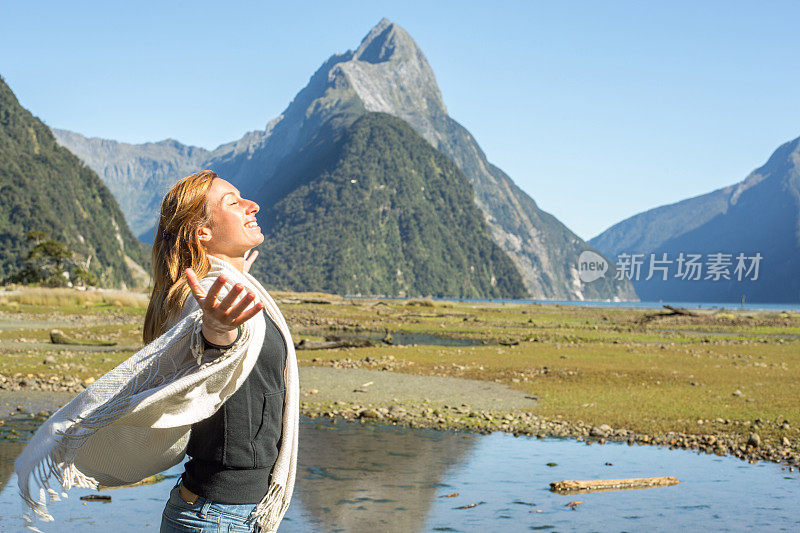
(727, 371)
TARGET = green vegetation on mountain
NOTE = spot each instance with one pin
(45, 188)
(50, 262)
(374, 209)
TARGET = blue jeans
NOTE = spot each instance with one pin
(206, 516)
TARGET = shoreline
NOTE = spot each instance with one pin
(524, 424)
(392, 398)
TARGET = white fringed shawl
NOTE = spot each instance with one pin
(134, 421)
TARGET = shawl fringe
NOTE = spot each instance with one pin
(51, 459)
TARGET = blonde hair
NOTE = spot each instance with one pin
(177, 247)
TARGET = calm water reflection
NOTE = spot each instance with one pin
(8, 452)
(373, 478)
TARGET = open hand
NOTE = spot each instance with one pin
(248, 261)
(222, 318)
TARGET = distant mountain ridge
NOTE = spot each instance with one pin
(138, 175)
(389, 73)
(44, 187)
(760, 214)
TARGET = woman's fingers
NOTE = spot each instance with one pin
(224, 313)
(227, 302)
(194, 285)
(234, 312)
(207, 301)
(248, 262)
(213, 292)
(247, 315)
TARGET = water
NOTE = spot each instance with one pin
(383, 478)
(604, 303)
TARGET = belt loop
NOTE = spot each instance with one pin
(252, 518)
(204, 510)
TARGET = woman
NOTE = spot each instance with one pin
(234, 450)
(217, 380)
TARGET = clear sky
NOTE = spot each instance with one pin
(598, 110)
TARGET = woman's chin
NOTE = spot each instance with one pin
(254, 236)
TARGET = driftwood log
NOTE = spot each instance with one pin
(306, 344)
(58, 337)
(680, 311)
(96, 498)
(596, 485)
(672, 312)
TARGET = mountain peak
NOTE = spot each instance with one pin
(386, 41)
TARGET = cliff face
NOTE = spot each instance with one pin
(138, 175)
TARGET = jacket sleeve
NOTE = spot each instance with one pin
(215, 350)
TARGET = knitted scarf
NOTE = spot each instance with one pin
(134, 421)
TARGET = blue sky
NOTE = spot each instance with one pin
(598, 110)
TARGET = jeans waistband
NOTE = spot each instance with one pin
(246, 511)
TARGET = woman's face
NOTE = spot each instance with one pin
(233, 229)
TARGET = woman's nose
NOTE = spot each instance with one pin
(254, 207)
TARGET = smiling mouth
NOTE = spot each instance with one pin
(251, 224)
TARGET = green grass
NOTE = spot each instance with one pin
(603, 365)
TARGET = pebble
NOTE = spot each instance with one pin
(600, 431)
(52, 383)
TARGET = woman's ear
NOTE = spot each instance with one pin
(204, 234)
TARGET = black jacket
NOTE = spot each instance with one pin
(234, 450)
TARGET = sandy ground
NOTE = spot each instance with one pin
(346, 384)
